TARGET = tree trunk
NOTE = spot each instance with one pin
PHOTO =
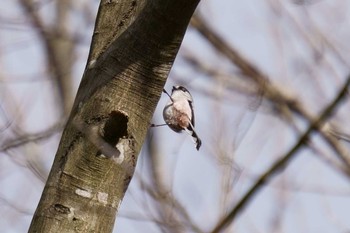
(133, 48)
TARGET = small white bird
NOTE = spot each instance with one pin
(178, 113)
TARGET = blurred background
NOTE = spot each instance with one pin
(260, 73)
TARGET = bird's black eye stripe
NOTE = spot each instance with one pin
(183, 89)
(180, 88)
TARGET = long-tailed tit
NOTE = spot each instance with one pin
(178, 113)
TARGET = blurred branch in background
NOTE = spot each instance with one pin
(279, 165)
(59, 48)
(38, 54)
(36, 137)
(281, 103)
(265, 77)
(172, 214)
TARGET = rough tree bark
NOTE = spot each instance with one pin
(133, 48)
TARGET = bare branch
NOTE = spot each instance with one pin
(280, 164)
(23, 139)
(282, 103)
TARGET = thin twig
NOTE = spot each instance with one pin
(283, 162)
(21, 140)
(279, 100)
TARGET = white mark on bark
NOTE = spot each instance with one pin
(71, 213)
(122, 146)
(114, 203)
(94, 221)
(83, 193)
(92, 64)
(126, 149)
(102, 197)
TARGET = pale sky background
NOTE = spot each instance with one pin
(317, 198)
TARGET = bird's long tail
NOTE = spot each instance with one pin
(197, 141)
